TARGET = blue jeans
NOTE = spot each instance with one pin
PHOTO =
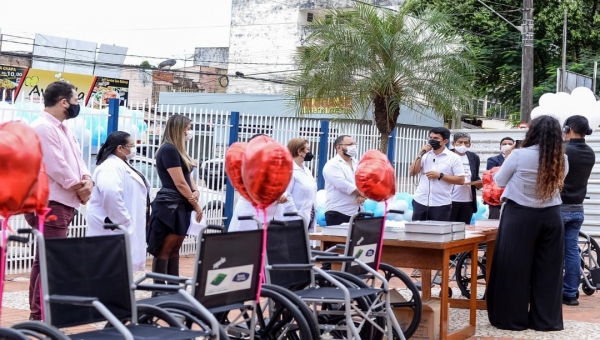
(572, 221)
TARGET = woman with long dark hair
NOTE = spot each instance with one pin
(120, 195)
(175, 201)
(525, 287)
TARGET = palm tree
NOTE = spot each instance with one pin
(370, 57)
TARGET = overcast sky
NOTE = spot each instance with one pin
(166, 29)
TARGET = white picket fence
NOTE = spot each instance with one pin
(208, 147)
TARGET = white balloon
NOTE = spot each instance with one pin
(408, 215)
(547, 100)
(320, 200)
(583, 95)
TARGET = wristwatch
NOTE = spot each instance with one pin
(441, 175)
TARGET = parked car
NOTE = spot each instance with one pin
(212, 172)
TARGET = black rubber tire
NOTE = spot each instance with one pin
(415, 303)
(11, 334)
(284, 311)
(301, 305)
(463, 281)
(190, 316)
(41, 328)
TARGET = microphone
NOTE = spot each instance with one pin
(434, 160)
(422, 153)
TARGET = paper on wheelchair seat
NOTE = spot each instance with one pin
(195, 227)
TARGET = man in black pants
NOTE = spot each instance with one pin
(439, 169)
(581, 160)
(464, 197)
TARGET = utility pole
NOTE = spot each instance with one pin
(563, 69)
(526, 30)
(527, 62)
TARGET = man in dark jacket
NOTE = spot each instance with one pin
(464, 197)
(505, 144)
(581, 159)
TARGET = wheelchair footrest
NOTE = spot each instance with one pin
(595, 273)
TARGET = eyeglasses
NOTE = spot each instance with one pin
(129, 146)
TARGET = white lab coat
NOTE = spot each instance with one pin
(244, 208)
(302, 192)
(120, 194)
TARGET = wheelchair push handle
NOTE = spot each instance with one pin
(245, 218)
(15, 238)
(215, 227)
(365, 214)
(394, 211)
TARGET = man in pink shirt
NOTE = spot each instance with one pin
(69, 179)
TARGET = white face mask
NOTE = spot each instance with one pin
(505, 148)
(131, 154)
(351, 151)
(461, 148)
(189, 134)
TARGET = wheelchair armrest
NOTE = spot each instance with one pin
(159, 288)
(165, 277)
(323, 253)
(334, 258)
(25, 231)
(336, 247)
(16, 238)
(73, 300)
(291, 267)
(245, 218)
(394, 211)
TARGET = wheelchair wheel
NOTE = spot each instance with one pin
(279, 318)
(39, 330)
(368, 331)
(401, 282)
(590, 255)
(11, 334)
(301, 305)
(463, 273)
(152, 315)
(189, 317)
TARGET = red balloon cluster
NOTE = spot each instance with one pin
(23, 181)
(260, 170)
(375, 176)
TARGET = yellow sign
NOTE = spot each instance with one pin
(35, 82)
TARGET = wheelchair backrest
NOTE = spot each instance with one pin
(97, 267)
(363, 243)
(228, 267)
(287, 243)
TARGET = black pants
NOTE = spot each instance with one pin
(424, 213)
(461, 212)
(525, 287)
(494, 212)
(336, 218)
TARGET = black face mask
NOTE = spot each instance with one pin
(308, 157)
(435, 144)
(73, 111)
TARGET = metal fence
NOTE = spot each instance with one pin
(213, 131)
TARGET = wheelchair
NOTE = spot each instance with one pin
(589, 252)
(89, 279)
(343, 304)
(365, 236)
(227, 281)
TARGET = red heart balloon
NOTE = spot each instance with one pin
(375, 176)
(38, 200)
(267, 170)
(20, 161)
(233, 167)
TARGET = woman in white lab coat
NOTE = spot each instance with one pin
(120, 195)
(302, 190)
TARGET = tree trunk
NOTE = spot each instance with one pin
(383, 142)
(385, 121)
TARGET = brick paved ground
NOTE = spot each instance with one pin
(581, 322)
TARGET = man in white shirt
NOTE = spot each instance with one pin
(342, 197)
(439, 170)
(464, 197)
